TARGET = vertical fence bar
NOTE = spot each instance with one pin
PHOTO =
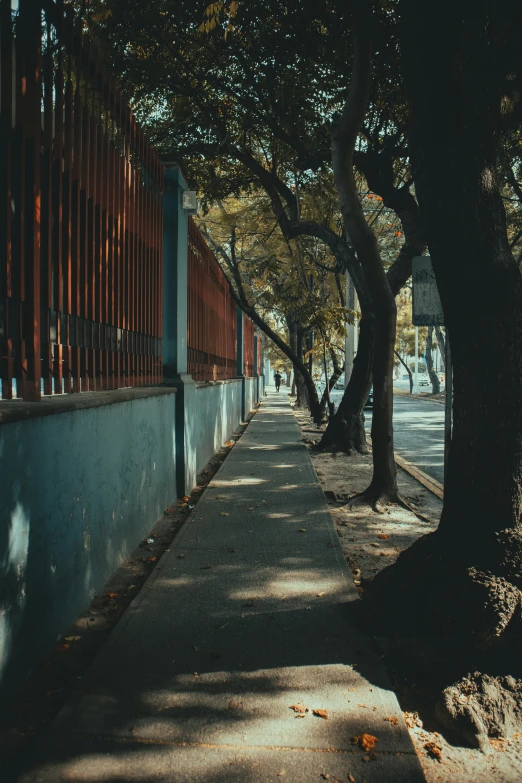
(30, 23)
(58, 214)
(67, 233)
(6, 213)
(80, 224)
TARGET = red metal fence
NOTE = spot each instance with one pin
(248, 331)
(212, 328)
(80, 216)
(212, 317)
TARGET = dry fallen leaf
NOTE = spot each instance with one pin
(320, 594)
(299, 708)
(302, 530)
(434, 750)
(365, 741)
(383, 536)
(72, 638)
(152, 559)
(235, 705)
(351, 778)
(62, 647)
(229, 443)
(224, 514)
(412, 720)
(321, 713)
(392, 719)
(112, 595)
(373, 543)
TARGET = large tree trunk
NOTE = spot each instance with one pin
(467, 576)
(345, 130)
(345, 430)
(434, 378)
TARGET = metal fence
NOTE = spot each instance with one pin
(80, 216)
(212, 320)
(249, 333)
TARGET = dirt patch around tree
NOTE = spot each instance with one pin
(370, 542)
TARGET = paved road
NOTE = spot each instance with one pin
(418, 428)
(419, 432)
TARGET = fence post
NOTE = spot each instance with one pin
(175, 317)
(240, 361)
(256, 363)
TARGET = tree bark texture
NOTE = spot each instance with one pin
(383, 309)
(434, 378)
(469, 572)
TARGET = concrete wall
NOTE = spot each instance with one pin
(251, 397)
(212, 413)
(78, 490)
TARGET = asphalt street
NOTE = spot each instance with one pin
(418, 427)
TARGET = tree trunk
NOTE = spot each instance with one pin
(410, 376)
(295, 357)
(434, 378)
(442, 347)
(469, 572)
(338, 370)
(345, 130)
(345, 430)
(302, 399)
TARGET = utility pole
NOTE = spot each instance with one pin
(416, 382)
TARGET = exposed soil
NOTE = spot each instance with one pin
(371, 541)
(34, 703)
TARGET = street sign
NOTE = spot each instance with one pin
(427, 307)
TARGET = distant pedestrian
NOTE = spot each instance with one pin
(277, 379)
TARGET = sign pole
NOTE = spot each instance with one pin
(449, 405)
(416, 384)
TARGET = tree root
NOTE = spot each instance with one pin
(377, 501)
(442, 595)
(418, 514)
(480, 706)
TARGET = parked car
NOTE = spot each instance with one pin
(424, 380)
(369, 401)
(339, 386)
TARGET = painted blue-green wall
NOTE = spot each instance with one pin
(78, 491)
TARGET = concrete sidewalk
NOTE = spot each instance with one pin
(244, 617)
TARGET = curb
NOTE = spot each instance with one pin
(427, 481)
